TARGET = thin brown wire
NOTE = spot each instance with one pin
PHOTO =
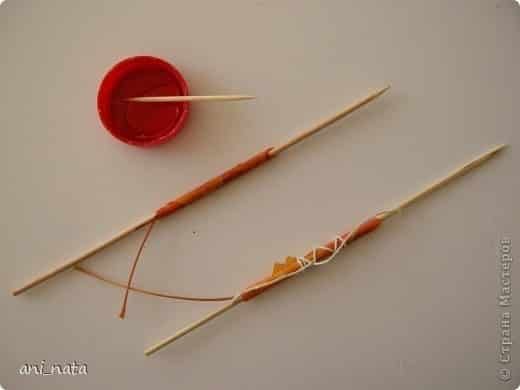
(132, 270)
(148, 292)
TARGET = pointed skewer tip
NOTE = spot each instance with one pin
(382, 90)
(492, 152)
(378, 93)
(498, 148)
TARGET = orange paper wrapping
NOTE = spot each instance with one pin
(291, 264)
(213, 184)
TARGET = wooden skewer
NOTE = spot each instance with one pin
(382, 216)
(199, 192)
(72, 262)
(441, 183)
(191, 327)
(167, 99)
(326, 122)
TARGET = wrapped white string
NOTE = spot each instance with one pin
(339, 244)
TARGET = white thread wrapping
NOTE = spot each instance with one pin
(339, 244)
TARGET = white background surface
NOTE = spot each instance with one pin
(413, 306)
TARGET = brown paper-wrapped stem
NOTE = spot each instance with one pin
(290, 266)
(283, 271)
(204, 189)
(213, 184)
(316, 255)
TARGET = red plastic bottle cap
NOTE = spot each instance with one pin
(136, 123)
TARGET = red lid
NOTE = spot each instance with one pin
(142, 124)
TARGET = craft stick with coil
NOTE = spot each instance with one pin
(200, 191)
(292, 266)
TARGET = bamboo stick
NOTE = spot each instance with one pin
(191, 327)
(369, 226)
(76, 260)
(328, 121)
(458, 172)
(202, 190)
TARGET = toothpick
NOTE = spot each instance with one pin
(168, 99)
(201, 191)
(365, 228)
